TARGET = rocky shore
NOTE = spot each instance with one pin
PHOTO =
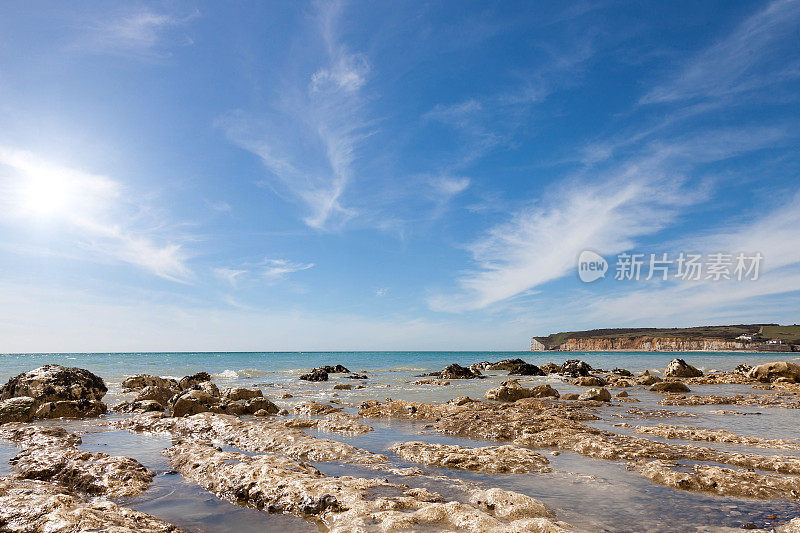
(265, 450)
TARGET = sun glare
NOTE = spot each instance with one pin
(45, 194)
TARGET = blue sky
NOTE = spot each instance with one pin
(388, 175)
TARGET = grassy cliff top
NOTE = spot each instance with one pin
(789, 334)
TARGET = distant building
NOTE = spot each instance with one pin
(537, 346)
(775, 341)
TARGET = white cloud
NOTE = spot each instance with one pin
(309, 142)
(381, 292)
(36, 190)
(752, 57)
(280, 268)
(449, 186)
(140, 31)
(605, 211)
(230, 275)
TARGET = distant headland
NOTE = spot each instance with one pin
(734, 338)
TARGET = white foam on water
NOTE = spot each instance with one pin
(226, 374)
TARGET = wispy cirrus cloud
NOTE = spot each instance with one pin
(280, 268)
(134, 31)
(750, 58)
(309, 143)
(90, 206)
(604, 210)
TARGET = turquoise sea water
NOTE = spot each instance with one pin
(115, 366)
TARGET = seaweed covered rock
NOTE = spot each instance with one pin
(525, 369)
(53, 383)
(71, 409)
(187, 382)
(511, 391)
(575, 368)
(316, 374)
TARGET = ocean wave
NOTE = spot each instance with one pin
(251, 373)
(246, 373)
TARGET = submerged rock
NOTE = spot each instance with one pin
(669, 387)
(678, 368)
(507, 459)
(714, 435)
(511, 391)
(431, 381)
(35, 506)
(54, 383)
(772, 371)
(342, 386)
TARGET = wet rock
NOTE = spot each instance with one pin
(622, 372)
(678, 368)
(743, 369)
(506, 364)
(622, 394)
(19, 409)
(335, 369)
(711, 435)
(316, 374)
(669, 387)
(721, 481)
(194, 401)
(595, 394)
(188, 382)
(277, 484)
(54, 383)
(570, 396)
(334, 423)
(456, 371)
(315, 408)
(511, 391)
(489, 459)
(525, 369)
(509, 505)
(430, 381)
(550, 368)
(575, 368)
(461, 400)
(269, 435)
(286, 396)
(240, 393)
(156, 393)
(50, 454)
(71, 409)
(357, 376)
(139, 382)
(589, 381)
(143, 406)
(256, 404)
(35, 506)
(342, 386)
(649, 380)
(209, 388)
(772, 371)
(483, 365)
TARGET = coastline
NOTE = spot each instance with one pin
(528, 443)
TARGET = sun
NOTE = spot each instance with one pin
(45, 194)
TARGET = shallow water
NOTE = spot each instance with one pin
(590, 494)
